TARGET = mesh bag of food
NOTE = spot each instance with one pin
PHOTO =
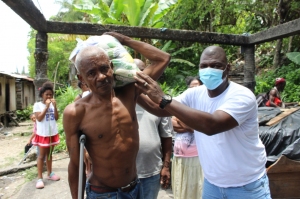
(124, 66)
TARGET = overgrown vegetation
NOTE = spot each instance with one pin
(25, 113)
(64, 97)
(290, 72)
(30, 174)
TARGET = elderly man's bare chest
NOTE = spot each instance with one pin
(109, 120)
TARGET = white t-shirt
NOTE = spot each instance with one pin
(235, 157)
(47, 127)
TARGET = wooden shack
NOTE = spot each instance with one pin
(16, 93)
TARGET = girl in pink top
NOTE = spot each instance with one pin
(187, 175)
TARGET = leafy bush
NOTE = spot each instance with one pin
(291, 73)
(25, 113)
(65, 96)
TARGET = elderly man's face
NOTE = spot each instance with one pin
(96, 72)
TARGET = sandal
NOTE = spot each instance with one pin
(39, 184)
(53, 177)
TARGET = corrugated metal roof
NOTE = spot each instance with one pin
(17, 76)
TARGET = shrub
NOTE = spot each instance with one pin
(25, 113)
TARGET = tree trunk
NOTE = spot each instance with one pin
(290, 44)
(249, 68)
(277, 55)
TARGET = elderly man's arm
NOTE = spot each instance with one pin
(70, 124)
(158, 58)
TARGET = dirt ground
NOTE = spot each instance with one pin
(21, 184)
(12, 144)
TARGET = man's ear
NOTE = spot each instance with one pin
(79, 77)
(226, 72)
(228, 67)
(112, 66)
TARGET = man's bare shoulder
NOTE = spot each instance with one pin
(273, 92)
(74, 109)
(127, 90)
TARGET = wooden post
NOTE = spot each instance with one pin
(249, 68)
(41, 57)
(55, 79)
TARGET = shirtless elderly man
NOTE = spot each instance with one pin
(108, 119)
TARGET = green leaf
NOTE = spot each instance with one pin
(167, 45)
(182, 61)
(163, 7)
(132, 9)
(294, 57)
(147, 14)
(117, 8)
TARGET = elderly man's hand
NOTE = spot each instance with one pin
(122, 38)
(149, 87)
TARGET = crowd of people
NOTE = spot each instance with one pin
(217, 152)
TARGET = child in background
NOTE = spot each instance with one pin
(47, 134)
(32, 117)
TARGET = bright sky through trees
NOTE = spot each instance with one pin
(14, 35)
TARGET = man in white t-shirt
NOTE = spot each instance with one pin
(224, 116)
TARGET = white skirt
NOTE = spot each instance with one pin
(187, 178)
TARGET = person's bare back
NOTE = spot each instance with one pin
(107, 117)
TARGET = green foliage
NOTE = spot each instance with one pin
(146, 13)
(31, 173)
(294, 57)
(291, 73)
(25, 113)
(173, 91)
(65, 96)
(62, 146)
(59, 49)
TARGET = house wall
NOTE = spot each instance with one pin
(2, 94)
(12, 93)
(25, 94)
(29, 93)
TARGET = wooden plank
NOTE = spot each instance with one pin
(12, 119)
(276, 119)
(284, 164)
(142, 32)
(284, 178)
(280, 31)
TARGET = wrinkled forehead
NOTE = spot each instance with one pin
(89, 56)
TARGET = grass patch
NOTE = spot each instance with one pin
(31, 173)
(8, 161)
(28, 133)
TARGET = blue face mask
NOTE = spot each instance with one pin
(211, 77)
